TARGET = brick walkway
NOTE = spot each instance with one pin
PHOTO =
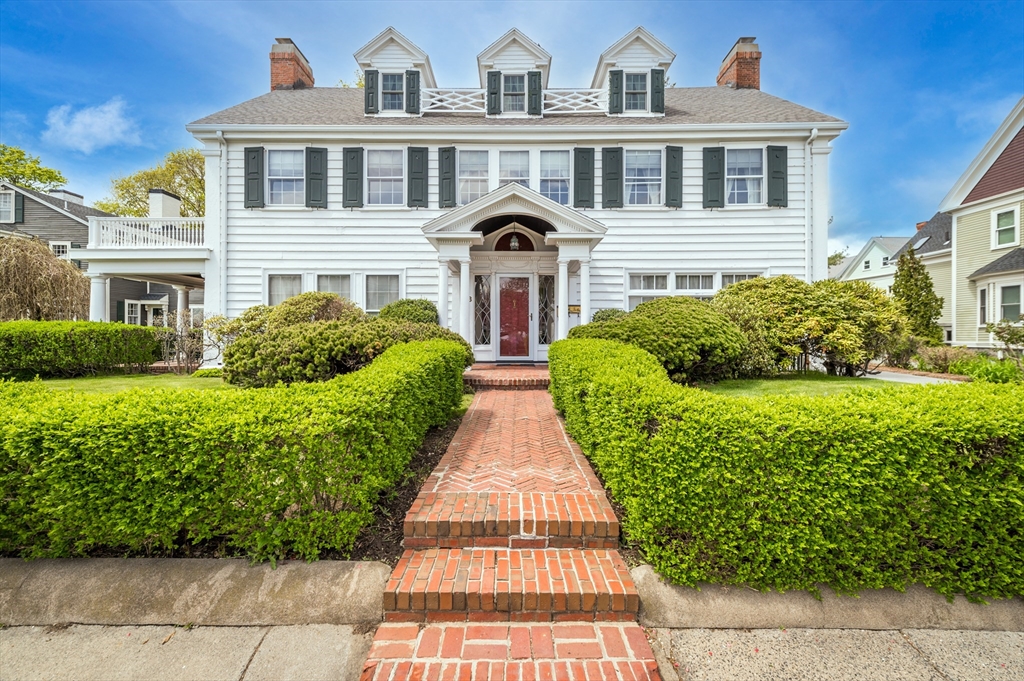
(511, 529)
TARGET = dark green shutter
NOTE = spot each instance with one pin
(352, 178)
(583, 178)
(778, 190)
(316, 177)
(611, 172)
(19, 207)
(120, 311)
(714, 177)
(254, 177)
(417, 177)
(412, 92)
(658, 91)
(371, 91)
(534, 94)
(493, 93)
(447, 184)
(615, 95)
(674, 177)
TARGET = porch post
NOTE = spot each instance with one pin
(106, 301)
(442, 293)
(97, 298)
(584, 291)
(563, 298)
(182, 305)
(464, 310)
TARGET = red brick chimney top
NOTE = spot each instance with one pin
(289, 69)
(921, 224)
(741, 68)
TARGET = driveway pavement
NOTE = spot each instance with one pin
(912, 379)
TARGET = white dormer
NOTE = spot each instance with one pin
(393, 52)
(637, 51)
(514, 53)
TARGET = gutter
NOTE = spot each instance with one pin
(223, 223)
(808, 223)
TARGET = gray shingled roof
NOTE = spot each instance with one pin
(344, 106)
(1011, 262)
(891, 243)
(76, 209)
(937, 234)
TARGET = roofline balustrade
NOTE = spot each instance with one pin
(128, 232)
(474, 100)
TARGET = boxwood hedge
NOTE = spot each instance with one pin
(282, 471)
(864, 489)
(29, 348)
(410, 310)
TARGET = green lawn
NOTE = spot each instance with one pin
(118, 382)
(792, 384)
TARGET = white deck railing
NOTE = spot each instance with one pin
(146, 232)
(575, 101)
(468, 100)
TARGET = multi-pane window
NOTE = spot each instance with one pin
(335, 283)
(554, 176)
(885, 261)
(280, 287)
(384, 171)
(472, 175)
(982, 306)
(643, 178)
(391, 91)
(1006, 228)
(644, 287)
(515, 93)
(1009, 303)
(381, 289)
(695, 282)
(285, 177)
(514, 166)
(61, 249)
(636, 92)
(733, 278)
(744, 172)
(131, 313)
(6, 207)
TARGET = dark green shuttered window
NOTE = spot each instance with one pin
(371, 88)
(447, 184)
(417, 177)
(352, 178)
(120, 311)
(583, 180)
(19, 208)
(657, 90)
(714, 177)
(316, 177)
(412, 92)
(778, 189)
(615, 92)
(254, 177)
(674, 177)
(611, 173)
(493, 93)
(535, 94)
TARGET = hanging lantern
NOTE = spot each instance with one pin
(513, 243)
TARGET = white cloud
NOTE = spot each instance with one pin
(851, 244)
(91, 128)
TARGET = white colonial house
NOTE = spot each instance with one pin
(518, 208)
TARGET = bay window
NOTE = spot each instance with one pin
(1009, 303)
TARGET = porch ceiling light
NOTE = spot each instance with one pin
(513, 243)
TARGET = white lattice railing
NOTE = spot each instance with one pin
(454, 100)
(575, 101)
(146, 233)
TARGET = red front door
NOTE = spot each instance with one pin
(514, 310)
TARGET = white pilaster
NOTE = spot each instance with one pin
(97, 298)
(584, 291)
(821, 210)
(442, 293)
(464, 305)
(214, 302)
(563, 298)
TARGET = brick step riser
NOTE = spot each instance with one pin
(479, 386)
(511, 542)
(448, 616)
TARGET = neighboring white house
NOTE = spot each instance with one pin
(875, 264)
(517, 207)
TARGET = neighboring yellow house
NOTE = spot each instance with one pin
(933, 245)
(987, 252)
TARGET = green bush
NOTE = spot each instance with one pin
(939, 358)
(68, 349)
(319, 351)
(290, 471)
(211, 372)
(410, 310)
(985, 368)
(312, 306)
(693, 341)
(608, 314)
(863, 489)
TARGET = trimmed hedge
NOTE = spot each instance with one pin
(608, 314)
(29, 349)
(410, 310)
(864, 489)
(278, 472)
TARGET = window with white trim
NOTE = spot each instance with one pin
(472, 175)
(280, 287)
(392, 91)
(286, 178)
(645, 287)
(744, 174)
(6, 206)
(700, 286)
(61, 249)
(514, 91)
(554, 176)
(381, 289)
(335, 283)
(643, 177)
(636, 92)
(733, 278)
(867, 265)
(1009, 303)
(131, 312)
(1004, 225)
(514, 166)
(384, 177)
(885, 261)
(982, 306)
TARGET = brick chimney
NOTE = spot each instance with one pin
(289, 69)
(741, 68)
(921, 224)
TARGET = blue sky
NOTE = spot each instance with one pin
(100, 89)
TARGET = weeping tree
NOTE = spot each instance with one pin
(35, 284)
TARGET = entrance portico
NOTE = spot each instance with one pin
(504, 271)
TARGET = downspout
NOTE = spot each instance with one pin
(224, 223)
(808, 208)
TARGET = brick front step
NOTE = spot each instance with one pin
(511, 520)
(514, 652)
(543, 584)
(493, 377)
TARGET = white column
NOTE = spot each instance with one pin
(182, 304)
(563, 298)
(820, 211)
(584, 291)
(442, 293)
(464, 307)
(106, 302)
(97, 298)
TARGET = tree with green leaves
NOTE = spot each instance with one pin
(183, 172)
(357, 80)
(17, 167)
(913, 292)
(837, 257)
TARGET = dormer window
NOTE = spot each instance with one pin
(514, 88)
(392, 93)
(636, 92)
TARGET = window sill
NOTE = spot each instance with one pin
(278, 208)
(378, 207)
(1005, 246)
(747, 206)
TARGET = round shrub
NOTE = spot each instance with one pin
(313, 306)
(410, 310)
(211, 372)
(693, 341)
(608, 314)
